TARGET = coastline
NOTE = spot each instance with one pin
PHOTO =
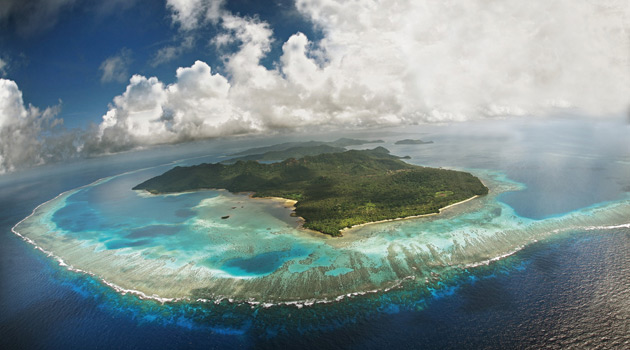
(298, 302)
(290, 204)
(287, 203)
(158, 288)
(407, 217)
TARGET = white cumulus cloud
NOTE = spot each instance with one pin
(465, 59)
(390, 62)
(196, 106)
(21, 128)
(378, 63)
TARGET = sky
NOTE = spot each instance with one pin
(82, 78)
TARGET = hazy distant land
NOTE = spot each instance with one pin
(288, 150)
(412, 142)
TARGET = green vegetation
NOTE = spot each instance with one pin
(412, 142)
(293, 152)
(334, 190)
(443, 193)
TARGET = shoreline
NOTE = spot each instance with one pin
(298, 303)
(146, 295)
(287, 203)
(342, 231)
(290, 204)
(142, 293)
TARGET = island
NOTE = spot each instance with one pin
(296, 150)
(412, 142)
(332, 191)
(293, 152)
(339, 143)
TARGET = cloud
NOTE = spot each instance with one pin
(453, 60)
(190, 14)
(169, 53)
(424, 61)
(116, 68)
(382, 64)
(33, 16)
(3, 67)
(149, 112)
(21, 130)
(378, 63)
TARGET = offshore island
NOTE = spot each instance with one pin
(412, 142)
(332, 191)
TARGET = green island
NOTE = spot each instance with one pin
(332, 191)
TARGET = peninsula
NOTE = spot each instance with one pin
(333, 190)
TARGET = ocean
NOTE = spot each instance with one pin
(568, 289)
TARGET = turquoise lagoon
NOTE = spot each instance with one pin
(180, 246)
(543, 180)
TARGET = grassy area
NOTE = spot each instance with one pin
(335, 190)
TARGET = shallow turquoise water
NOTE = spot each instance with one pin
(214, 244)
(549, 294)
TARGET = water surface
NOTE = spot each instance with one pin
(566, 290)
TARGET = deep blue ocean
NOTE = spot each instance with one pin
(568, 291)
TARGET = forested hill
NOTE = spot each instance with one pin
(293, 152)
(339, 143)
(333, 190)
(296, 150)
